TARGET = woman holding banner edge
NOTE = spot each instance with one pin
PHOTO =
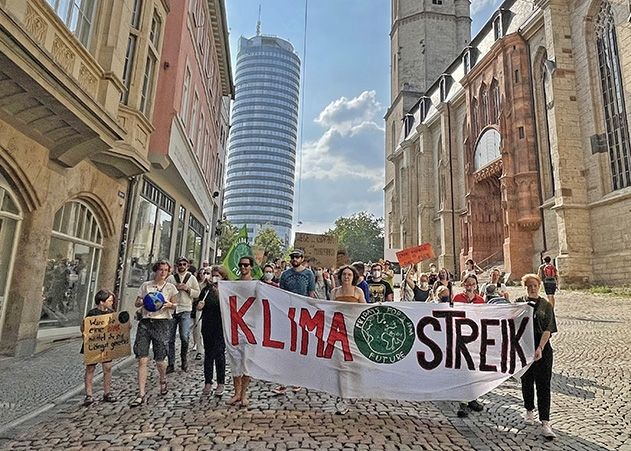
(240, 379)
(347, 292)
(540, 372)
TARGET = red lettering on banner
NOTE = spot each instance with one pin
(309, 323)
(291, 314)
(236, 320)
(338, 333)
(268, 342)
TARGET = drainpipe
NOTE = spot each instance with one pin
(451, 183)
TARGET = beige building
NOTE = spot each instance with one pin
(77, 83)
(520, 146)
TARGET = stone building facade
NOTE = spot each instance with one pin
(75, 109)
(520, 147)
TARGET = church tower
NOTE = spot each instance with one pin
(425, 38)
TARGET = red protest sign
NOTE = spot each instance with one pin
(415, 254)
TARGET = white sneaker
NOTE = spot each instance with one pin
(530, 416)
(341, 408)
(547, 431)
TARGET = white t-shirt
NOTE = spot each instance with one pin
(168, 290)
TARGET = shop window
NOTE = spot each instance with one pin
(194, 240)
(10, 219)
(152, 232)
(74, 257)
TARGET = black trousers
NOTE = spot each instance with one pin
(214, 355)
(539, 374)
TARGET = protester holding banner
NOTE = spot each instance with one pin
(299, 280)
(540, 372)
(348, 290)
(240, 379)
(104, 300)
(212, 332)
(380, 290)
(157, 299)
(470, 296)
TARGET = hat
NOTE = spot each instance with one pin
(298, 252)
(182, 259)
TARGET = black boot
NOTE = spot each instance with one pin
(184, 365)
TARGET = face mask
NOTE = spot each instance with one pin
(376, 274)
(318, 273)
(269, 275)
(216, 279)
(444, 299)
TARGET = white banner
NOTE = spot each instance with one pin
(400, 350)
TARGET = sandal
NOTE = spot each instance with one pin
(138, 401)
(108, 397)
(164, 389)
(234, 400)
(88, 400)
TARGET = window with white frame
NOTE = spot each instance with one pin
(193, 129)
(77, 15)
(147, 85)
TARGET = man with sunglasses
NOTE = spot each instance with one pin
(299, 280)
(188, 289)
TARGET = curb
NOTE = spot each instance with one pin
(58, 400)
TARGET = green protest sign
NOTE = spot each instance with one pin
(240, 248)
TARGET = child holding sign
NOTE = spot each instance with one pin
(104, 300)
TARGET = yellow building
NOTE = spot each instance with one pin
(77, 84)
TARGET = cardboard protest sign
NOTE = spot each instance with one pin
(106, 337)
(321, 247)
(415, 254)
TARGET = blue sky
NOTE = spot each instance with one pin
(346, 83)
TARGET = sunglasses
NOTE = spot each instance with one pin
(182, 264)
(295, 257)
(243, 265)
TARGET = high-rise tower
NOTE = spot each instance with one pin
(262, 151)
(425, 37)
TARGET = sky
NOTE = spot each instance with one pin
(346, 83)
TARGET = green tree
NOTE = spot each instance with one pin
(361, 234)
(227, 233)
(268, 240)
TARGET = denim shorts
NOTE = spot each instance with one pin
(152, 332)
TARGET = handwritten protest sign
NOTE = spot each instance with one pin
(321, 247)
(106, 337)
(415, 254)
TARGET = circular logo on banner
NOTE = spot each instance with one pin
(384, 334)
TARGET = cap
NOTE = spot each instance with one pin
(298, 252)
(182, 259)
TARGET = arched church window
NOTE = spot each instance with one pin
(613, 97)
(10, 219)
(74, 257)
(487, 150)
(484, 106)
(495, 102)
(475, 124)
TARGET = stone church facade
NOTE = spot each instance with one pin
(518, 147)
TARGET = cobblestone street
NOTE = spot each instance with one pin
(590, 407)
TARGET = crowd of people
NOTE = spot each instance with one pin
(191, 305)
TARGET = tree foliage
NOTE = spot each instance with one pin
(226, 232)
(361, 234)
(268, 240)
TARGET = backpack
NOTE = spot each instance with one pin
(176, 276)
(549, 271)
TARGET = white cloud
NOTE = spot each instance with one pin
(343, 170)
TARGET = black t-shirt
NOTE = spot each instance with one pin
(379, 291)
(543, 318)
(421, 295)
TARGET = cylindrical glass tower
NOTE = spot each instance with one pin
(262, 152)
